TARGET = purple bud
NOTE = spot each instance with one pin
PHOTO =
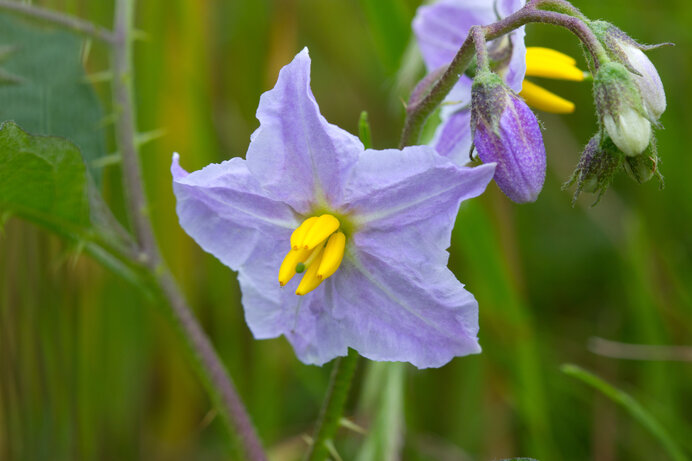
(505, 131)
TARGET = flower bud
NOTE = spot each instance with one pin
(649, 82)
(505, 131)
(597, 166)
(642, 167)
(629, 52)
(620, 108)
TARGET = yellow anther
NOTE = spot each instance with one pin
(540, 66)
(549, 53)
(544, 100)
(298, 235)
(332, 256)
(310, 281)
(288, 266)
(325, 226)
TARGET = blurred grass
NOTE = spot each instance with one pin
(88, 370)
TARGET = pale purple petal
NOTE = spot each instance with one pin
(441, 28)
(225, 210)
(406, 307)
(453, 139)
(517, 149)
(389, 300)
(395, 188)
(298, 156)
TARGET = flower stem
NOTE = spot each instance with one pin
(419, 110)
(559, 6)
(333, 407)
(208, 364)
(62, 20)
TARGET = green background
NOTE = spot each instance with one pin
(90, 370)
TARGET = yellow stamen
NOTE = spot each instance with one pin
(310, 281)
(325, 226)
(298, 235)
(333, 254)
(554, 55)
(288, 266)
(545, 67)
(544, 100)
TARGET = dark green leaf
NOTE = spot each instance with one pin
(43, 86)
(43, 176)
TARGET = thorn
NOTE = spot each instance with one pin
(107, 160)
(350, 425)
(98, 77)
(109, 119)
(140, 35)
(208, 418)
(149, 136)
(332, 450)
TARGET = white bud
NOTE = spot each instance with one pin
(629, 130)
(649, 83)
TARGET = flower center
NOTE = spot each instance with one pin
(317, 248)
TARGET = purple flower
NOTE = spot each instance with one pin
(360, 234)
(505, 131)
(440, 30)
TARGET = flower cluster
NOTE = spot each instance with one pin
(515, 141)
(338, 246)
(630, 100)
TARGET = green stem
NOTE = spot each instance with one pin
(333, 407)
(633, 407)
(209, 366)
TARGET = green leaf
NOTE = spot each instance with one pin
(633, 407)
(43, 86)
(42, 176)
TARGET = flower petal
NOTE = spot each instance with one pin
(405, 308)
(297, 156)
(225, 210)
(388, 300)
(394, 188)
(442, 27)
(453, 139)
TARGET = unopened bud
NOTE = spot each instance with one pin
(628, 52)
(620, 108)
(597, 166)
(505, 131)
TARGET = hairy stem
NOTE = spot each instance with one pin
(419, 110)
(59, 19)
(559, 6)
(208, 364)
(333, 407)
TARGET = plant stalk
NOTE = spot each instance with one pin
(333, 407)
(208, 364)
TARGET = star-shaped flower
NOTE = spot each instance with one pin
(336, 246)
